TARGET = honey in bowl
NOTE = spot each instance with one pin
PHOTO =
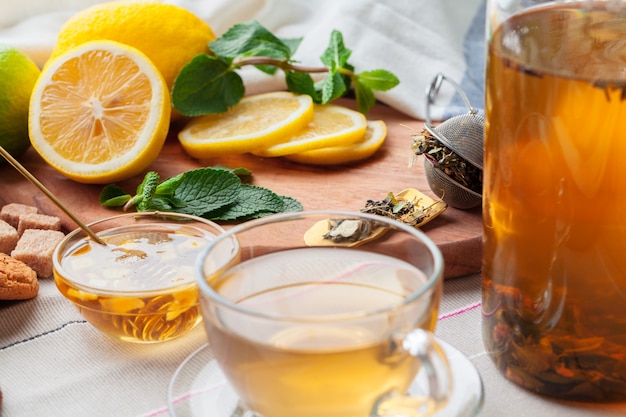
(140, 286)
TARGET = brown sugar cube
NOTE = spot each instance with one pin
(38, 221)
(12, 212)
(17, 280)
(8, 237)
(35, 248)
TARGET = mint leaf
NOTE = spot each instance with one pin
(147, 189)
(251, 201)
(263, 198)
(366, 82)
(206, 85)
(302, 83)
(365, 98)
(336, 54)
(237, 171)
(163, 203)
(381, 80)
(293, 44)
(149, 184)
(210, 84)
(205, 189)
(331, 87)
(170, 185)
(216, 193)
(250, 39)
(157, 203)
(291, 204)
(113, 196)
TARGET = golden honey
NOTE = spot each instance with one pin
(139, 287)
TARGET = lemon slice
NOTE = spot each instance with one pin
(375, 136)
(332, 125)
(255, 122)
(99, 113)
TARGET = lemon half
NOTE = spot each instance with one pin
(100, 112)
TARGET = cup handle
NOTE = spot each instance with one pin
(422, 345)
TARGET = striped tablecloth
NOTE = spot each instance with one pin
(52, 363)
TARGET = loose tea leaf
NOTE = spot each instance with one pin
(348, 230)
(408, 206)
(610, 87)
(571, 361)
(448, 161)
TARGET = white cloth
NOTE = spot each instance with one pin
(415, 39)
(54, 364)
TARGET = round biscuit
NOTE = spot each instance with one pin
(18, 281)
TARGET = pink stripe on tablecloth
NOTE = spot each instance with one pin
(157, 413)
(185, 397)
(460, 311)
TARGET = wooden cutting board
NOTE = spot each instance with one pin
(457, 232)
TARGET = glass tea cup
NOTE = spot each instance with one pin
(325, 314)
(140, 286)
(554, 196)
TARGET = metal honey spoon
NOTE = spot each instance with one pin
(22, 170)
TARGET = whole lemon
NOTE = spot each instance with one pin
(18, 74)
(167, 34)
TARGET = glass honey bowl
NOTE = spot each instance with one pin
(140, 286)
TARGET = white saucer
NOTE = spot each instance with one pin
(198, 388)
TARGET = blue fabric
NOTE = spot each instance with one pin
(473, 81)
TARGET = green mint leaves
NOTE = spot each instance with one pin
(251, 39)
(209, 84)
(214, 193)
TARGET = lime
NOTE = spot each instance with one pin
(18, 74)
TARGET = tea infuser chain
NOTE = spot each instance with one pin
(433, 90)
(455, 132)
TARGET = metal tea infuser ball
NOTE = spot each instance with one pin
(463, 135)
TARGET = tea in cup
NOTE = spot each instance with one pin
(325, 314)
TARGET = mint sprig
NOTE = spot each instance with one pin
(214, 193)
(210, 84)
